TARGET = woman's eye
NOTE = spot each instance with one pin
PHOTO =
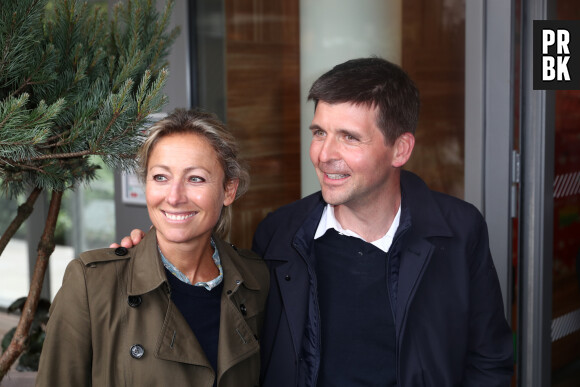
(196, 179)
(159, 178)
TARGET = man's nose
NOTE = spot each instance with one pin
(328, 150)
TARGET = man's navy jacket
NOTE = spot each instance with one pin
(449, 316)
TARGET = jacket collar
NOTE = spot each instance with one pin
(235, 273)
(419, 209)
(148, 272)
(417, 204)
(421, 219)
(304, 237)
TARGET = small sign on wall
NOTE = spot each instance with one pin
(133, 189)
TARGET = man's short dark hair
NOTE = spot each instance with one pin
(372, 82)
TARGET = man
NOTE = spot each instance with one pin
(376, 280)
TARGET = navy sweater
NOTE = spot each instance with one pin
(357, 325)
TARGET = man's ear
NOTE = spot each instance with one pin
(402, 149)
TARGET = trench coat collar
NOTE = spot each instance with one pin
(234, 271)
(148, 272)
(236, 339)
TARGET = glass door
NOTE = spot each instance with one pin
(549, 238)
(565, 325)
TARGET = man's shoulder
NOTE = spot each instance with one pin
(420, 193)
(434, 212)
(284, 222)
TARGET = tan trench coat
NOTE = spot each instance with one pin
(93, 330)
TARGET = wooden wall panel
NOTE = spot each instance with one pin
(263, 105)
(434, 56)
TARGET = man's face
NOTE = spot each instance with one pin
(350, 155)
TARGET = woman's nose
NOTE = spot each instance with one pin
(176, 193)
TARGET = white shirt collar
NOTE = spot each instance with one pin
(328, 221)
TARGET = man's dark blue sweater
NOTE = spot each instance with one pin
(357, 326)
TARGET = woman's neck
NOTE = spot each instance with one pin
(194, 260)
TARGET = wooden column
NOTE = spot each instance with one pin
(263, 107)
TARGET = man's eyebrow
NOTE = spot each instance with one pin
(342, 131)
(347, 131)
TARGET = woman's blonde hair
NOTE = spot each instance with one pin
(207, 125)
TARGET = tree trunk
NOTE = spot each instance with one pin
(24, 211)
(45, 249)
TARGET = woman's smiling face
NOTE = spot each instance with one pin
(184, 189)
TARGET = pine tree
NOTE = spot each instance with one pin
(74, 83)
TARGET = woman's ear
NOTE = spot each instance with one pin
(230, 193)
(402, 149)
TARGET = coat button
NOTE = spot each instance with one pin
(121, 251)
(137, 351)
(287, 278)
(243, 309)
(134, 301)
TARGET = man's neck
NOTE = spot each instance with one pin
(371, 221)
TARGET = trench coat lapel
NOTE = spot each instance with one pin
(236, 339)
(176, 342)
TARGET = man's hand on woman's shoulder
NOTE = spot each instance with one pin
(130, 241)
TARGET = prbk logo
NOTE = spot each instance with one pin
(556, 55)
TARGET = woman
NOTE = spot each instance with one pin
(131, 317)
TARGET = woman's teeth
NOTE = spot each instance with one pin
(178, 217)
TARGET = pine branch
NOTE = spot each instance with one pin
(30, 80)
(21, 129)
(18, 30)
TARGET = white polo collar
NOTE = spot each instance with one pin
(328, 221)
